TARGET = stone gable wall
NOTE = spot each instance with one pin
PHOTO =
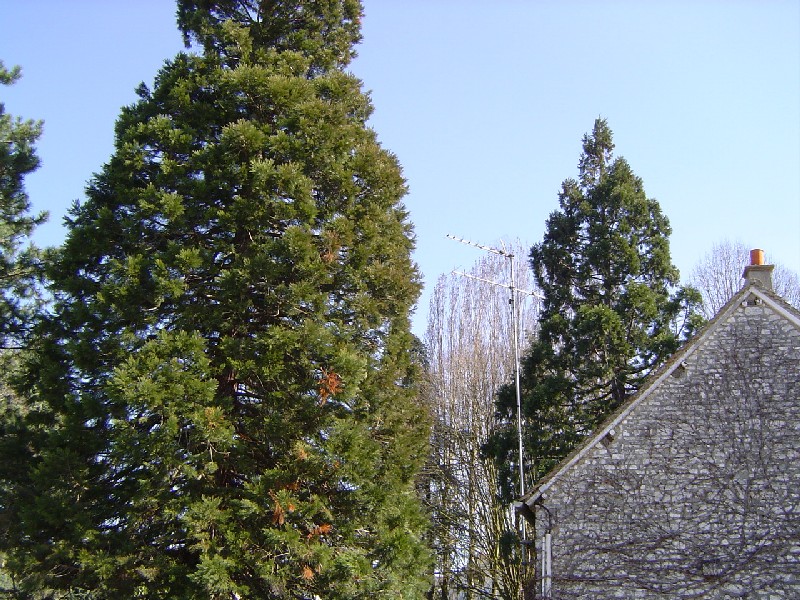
(696, 494)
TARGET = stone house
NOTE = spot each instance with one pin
(692, 488)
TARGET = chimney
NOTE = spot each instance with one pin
(757, 272)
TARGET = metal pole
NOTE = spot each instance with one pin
(514, 319)
(547, 575)
(514, 332)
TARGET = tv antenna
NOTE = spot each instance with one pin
(514, 292)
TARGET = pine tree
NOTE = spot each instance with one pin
(226, 395)
(611, 310)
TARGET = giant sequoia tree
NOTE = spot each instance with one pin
(610, 314)
(19, 261)
(223, 404)
(20, 266)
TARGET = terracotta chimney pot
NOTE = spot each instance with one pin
(757, 272)
(756, 257)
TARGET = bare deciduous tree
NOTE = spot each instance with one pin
(718, 276)
(470, 353)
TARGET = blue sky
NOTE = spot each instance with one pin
(485, 105)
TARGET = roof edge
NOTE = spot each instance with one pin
(674, 362)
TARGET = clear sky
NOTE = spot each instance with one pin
(485, 104)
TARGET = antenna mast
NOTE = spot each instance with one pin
(514, 332)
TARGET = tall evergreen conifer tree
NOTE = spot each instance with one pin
(611, 311)
(20, 266)
(20, 261)
(225, 397)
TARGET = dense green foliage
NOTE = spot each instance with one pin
(19, 261)
(610, 315)
(223, 403)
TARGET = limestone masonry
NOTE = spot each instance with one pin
(692, 489)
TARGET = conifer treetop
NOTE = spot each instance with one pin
(325, 31)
